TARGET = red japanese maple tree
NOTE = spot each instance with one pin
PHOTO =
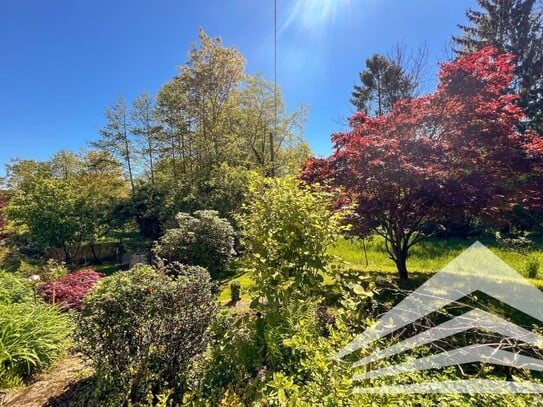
(447, 153)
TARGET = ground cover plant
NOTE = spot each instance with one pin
(68, 291)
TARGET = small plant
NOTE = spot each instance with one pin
(68, 291)
(235, 291)
(532, 267)
(53, 270)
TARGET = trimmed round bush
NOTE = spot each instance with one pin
(204, 240)
(141, 329)
(68, 291)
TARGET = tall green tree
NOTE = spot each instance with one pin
(514, 27)
(115, 136)
(383, 83)
(176, 135)
(145, 129)
(67, 201)
(3, 220)
(47, 213)
(211, 79)
(262, 114)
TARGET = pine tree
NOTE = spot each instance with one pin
(515, 27)
(384, 82)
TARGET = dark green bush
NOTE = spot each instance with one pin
(233, 359)
(141, 329)
(204, 240)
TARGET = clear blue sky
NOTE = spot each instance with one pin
(63, 61)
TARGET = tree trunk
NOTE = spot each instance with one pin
(402, 267)
(96, 259)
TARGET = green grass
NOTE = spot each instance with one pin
(246, 285)
(106, 268)
(428, 256)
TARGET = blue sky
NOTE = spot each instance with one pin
(63, 61)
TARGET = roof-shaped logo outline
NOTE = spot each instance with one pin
(475, 269)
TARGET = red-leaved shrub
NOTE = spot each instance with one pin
(68, 291)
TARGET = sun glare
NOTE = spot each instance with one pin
(313, 13)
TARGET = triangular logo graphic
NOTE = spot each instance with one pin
(476, 269)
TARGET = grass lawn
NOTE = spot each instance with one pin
(246, 285)
(426, 258)
(429, 256)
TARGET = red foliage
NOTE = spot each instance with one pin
(68, 291)
(447, 153)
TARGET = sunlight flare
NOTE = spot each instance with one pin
(312, 13)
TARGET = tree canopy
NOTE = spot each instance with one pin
(452, 151)
(514, 27)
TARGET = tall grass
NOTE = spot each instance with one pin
(32, 334)
(428, 256)
(14, 289)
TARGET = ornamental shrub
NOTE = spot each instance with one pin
(287, 228)
(141, 329)
(204, 240)
(68, 291)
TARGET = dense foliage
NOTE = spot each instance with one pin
(14, 290)
(287, 228)
(432, 158)
(204, 240)
(32, 334)
(514, 27)
(63, 203)
(141, 329)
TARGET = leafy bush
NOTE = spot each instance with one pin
(13, 289)
(287, 228)
(32, 336)
(141, 329)
(201, 240)
(233, 359)
(68, 291)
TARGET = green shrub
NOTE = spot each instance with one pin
(32, 336)
(204, 240)
(13, 289)
(287, 228)
(233, 358)
(141, 329)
